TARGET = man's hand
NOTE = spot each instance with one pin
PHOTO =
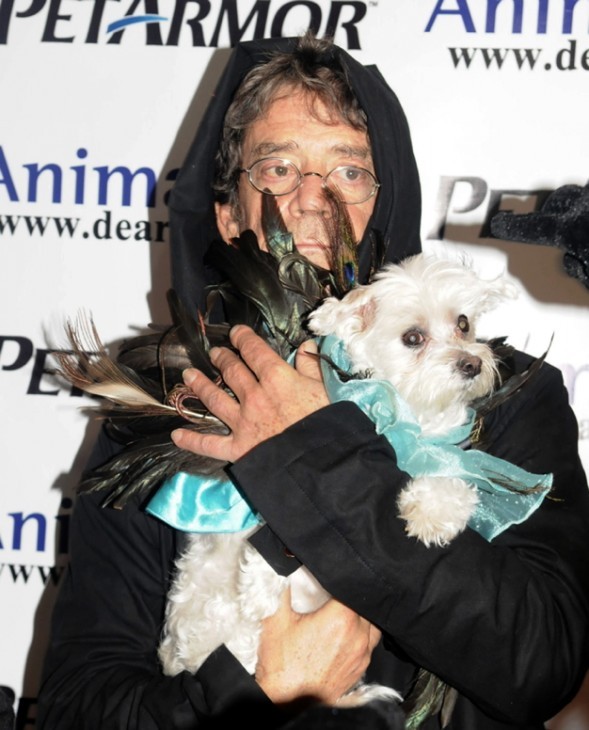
(318, 656)
(270, 395)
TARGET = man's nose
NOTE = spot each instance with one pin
(310, 196)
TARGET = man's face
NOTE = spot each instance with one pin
(314, 145)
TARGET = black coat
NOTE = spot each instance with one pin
(504, 622)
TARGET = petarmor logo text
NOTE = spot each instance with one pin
(204, 23)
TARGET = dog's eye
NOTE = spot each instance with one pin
(462, 324)
(413, 338)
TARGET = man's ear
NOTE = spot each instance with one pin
(226, 221)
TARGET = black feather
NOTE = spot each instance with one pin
(343, 254)
(271, 291)
(143, 465)
(429, 696)
(509, 382)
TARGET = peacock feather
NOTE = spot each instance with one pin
(142, 394)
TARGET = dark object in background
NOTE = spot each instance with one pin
(7, 717)
(562, 222)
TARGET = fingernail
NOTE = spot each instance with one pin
(176, 436)
(189, 375)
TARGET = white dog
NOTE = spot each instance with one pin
(415, 327)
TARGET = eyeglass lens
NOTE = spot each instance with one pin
(279, 177)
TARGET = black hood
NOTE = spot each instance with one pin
(396, 216)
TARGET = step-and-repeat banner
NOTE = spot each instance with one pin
(99, 100)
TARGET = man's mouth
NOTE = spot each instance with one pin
(315, 250)
(310, 244)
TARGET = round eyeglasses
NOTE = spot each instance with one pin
(277, 176)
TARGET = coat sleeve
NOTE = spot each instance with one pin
(503, 622)
(101, 670)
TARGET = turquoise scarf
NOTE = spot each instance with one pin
(195, 503)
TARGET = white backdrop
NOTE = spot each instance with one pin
(96, 116)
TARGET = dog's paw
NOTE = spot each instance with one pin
(435, 509)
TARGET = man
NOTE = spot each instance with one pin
(505, 623)
(102, 670)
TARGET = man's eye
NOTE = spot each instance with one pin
(272, 171)
(352, 174)
(463, 324)
(413, 338)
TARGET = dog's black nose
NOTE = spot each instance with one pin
(469, 366)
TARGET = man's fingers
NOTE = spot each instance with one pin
(336, 613)
(213, 445)
(337, 616)
(230, 365)
(374, 636)
(216, 400)
(284, 614)
(256, 353)
(268, 396)
(307, 360)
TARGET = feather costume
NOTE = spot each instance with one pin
(144, 396)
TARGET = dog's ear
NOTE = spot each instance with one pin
(344, 317)
(366, 313)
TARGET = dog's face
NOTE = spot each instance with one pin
(415, 327)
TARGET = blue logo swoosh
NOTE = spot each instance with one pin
(133, 20)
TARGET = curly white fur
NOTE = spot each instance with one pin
(222, 591)
(414, 325)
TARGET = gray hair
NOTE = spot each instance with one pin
(312, 68)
